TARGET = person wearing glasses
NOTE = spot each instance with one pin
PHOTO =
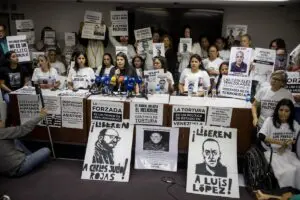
(267, 98)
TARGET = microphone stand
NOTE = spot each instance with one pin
(39, 92)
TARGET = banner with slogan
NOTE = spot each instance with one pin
(219, 116)
(29, 107)
(264, 61)
(108, 154)
(53, 106)
(146, 113)
(26, 27)
(185, 116)
(212, 162)
(156, 148)
(119, 21)
(50, 37)
(93, 17)
(240, 59)
(293, 82)
(143, 34)
(235, 87)
(19, 45)
(72, 112)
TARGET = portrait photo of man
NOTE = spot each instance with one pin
(156, 141)
(97, 31)
(184, 48)
(212, 165)
(239, 65)
(107, 141)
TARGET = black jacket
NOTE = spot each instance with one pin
(220, 170)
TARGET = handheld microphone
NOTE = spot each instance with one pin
(38, 91)
(113, 81)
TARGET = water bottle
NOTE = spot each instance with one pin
(248, 98)
(190, 91)
(214, 92)
(157, 89)
(66, 85)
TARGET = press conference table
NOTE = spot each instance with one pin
(241, 118)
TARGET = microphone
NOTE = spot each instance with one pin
(113, 81)
(38, 91)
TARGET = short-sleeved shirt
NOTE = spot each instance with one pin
(106, 70)
(81, 78)
(59, 66)
(14, 78)
(187, 77)
(49, 77)
(268, 101)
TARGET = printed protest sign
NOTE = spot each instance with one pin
(151, 78)
(19, 45)
(25, 90)
(119, 21)
(50, 37)
(122, 49)
(294, 59)
(70, 39)
(158, 49)
(239, 63)
(146, 113)
(108, 154)
(72, 112)
(93, 31)
(219, 116)
(156, 148)
(234, 32)
(53, 106)
(212, 162)
(235, 87)
(29, 107)
(141, 34)
(145, 48)
(93, 17)
(108, 112)
(293, 82)
(26, 27)
(264, 60)
(185, 45)
(185, 116)
(162, 81)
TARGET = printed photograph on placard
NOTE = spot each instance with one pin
(212, 162)
(240, 58)
(145, 47)
(156, 148)
(234, 32)
(151, 78)
(185, 45)
(162, 82)
(70, 39)
(263, 63)
(93, 31)
(158, 49)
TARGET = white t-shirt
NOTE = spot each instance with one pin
(106, 70)
(282, 133)
(59, 66)
(187, 77)
(224, 55)
(139, 72)
(170, 77)
(82, 78)
(41, 77)
(212, 65)
(268, 101)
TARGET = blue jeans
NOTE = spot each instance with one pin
(32, 160)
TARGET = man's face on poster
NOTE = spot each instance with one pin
(239, 58)
(111, 138)
(211, 153)
(184, 47)
(156, 138)
(145, 45)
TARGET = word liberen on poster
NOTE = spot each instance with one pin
(19, 45)
(156, 148)
(212, 162)
(29, 107)
(53, 106)
(293, 82)
(146, 113)
(72, 112)
(235, 87)
(108, 154)
(218, 116)
(119, 21)
(264, 60)
(185, 116)
(239, 62)
(142, 34)
(26, 27)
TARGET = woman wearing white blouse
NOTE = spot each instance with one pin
(45, 75)
(213, 62)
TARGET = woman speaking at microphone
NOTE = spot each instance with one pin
(123, 69)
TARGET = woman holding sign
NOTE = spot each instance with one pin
(80, 76)
(160, 62)
(280, 132)
(45, 75)
(194, 78)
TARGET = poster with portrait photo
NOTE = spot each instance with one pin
(239, 63)
(234, 32)
(162, 81)
(70, 39)
(185, 45)
(122, 49)
(29, 107)
(105, 111)
(108, 154)
(264, 61)
(53, 106)
(26, 27)
(93, 31)
(145, 47)
(185, 116)
(151, 78)
(50, 37)
(158, 49)
(293, 82)
(156, 148)
(294, 60)
(119, 23)
(212, 162)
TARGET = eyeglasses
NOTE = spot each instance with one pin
(113, 137)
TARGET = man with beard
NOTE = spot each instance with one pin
(212, 156)
(107, 140)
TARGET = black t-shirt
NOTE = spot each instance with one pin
(13, 78)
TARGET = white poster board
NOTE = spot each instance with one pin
(146, 113)
(185, 116)
(239, 63)
(29, 107)
(293, 82)
(107, 112)
(156, 148)
(234, 32)
(212, 162)
(72, 112)
(53, 106)
(185, 45)
(108, 154)
(235, 87)
(122, 49)
(50, 37)
(264, 61)
(93, 31)
(218, 116)
(70, 39)
(26, 27)
(158, 49)
(151, 80)
(141, 34)
(119, 21)
(93, 17)
(19, 45)
(162, 81)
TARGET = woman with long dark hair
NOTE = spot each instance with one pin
(138, 63)
(212, 63)
(223, 70)
(107, 65)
